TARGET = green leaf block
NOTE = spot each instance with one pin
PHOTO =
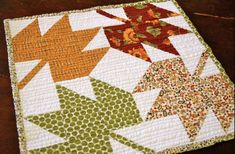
(86, 124)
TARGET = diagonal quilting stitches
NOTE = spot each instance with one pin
(188, 96)
(143, 26)
(60, 47)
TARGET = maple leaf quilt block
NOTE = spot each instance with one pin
(129, 78)
(87, 124)
(189, 96)
(143, 26)
(60, 47)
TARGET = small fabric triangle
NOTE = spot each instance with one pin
(23, 68)
(45, 23)
(82, 86)
(210, 69)
(118, 12)
(167, 6)
(18, 25)
(157, 54)
(191, 62)
(38, 137)
(210, 128)
(99, 41)
(145, 100)
(178, 21)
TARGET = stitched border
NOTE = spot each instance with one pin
(15, 90)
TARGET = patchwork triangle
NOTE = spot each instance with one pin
(38, 137)
(145, 100)
(209, 69)
(17, 25)
(99, 41)
(210, 128)
(45, 23)
(157, 54)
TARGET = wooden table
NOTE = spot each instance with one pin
(214, 20)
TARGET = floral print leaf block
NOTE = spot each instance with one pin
(188, 96)
(144, 26)
(125, 79)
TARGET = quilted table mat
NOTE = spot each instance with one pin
(130, 78)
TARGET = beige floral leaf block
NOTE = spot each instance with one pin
(124, 79)
(188, 96)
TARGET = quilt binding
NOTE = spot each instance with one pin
(15, 90)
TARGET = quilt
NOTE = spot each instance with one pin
(129, 78)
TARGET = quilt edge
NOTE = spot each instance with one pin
(16, 95)
(15, 90)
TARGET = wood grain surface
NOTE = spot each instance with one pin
(214, 20)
